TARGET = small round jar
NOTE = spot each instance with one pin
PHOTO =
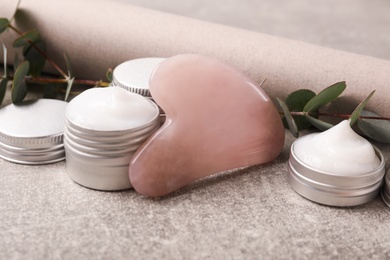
(133, 75)
(334, 189)
(103, 129)
(31, 132)
(386, 189)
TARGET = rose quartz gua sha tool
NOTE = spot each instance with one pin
(216, 119)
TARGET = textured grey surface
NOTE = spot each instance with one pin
(250, 213)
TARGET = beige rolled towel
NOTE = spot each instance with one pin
(98, 34)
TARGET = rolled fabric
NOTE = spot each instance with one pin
(98, 34)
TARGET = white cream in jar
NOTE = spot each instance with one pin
(339, 150)
(336, 167)
(103, 129)
(111, 108)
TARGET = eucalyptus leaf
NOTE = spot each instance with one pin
(378, 130)
(19, 86)
(17, 61)
(319, 124)
(4, 22)
(68, 88)
(109, 75)
(35, 58)
(5, 61)
(290, 120)
(295, 102)
(68, 66)
(27, 37)
(325, 96)
(356, 113)
(3, 89)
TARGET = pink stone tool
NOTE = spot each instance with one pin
(216, 119)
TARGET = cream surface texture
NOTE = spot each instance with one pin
(110, 109)
(115, 32)
(338, 150)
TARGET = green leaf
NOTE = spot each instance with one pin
(26, 38)
(68, 66)
(5, 61)
(376, 129)
(109, 75)
(4, 22)
(290, 120)
(35, 58)
(325, 96)
(19, 87)
(3, 88)
(356, 113)
(68, 88)
(296, 101)
(319, 124)
(17, 61)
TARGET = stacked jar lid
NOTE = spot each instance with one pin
(98, 155)
(133, 75)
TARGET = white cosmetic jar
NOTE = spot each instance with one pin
(103, 129)
(334, 189)
(134, 75)
(32, 131)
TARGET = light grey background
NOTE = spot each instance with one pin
(359, 26)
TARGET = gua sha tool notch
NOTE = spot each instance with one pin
(216, 119)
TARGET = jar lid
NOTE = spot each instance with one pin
(332, 189)
(31, 132)
(386, 189)
(133, 75)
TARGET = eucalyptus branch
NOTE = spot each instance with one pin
(76, 81)
(29, 70)
(40, 51)
(346, 116)
(300, 110)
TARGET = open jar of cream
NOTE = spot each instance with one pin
(103, 129)
(336, 167)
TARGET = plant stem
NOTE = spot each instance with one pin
(76, 81)
(41, 52)
(341, 115)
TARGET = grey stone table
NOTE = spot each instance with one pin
(249, 213)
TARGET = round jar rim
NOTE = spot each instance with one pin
(312, 169)
(121, 72)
